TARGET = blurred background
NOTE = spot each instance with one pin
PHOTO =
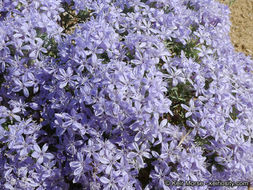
(241, 32)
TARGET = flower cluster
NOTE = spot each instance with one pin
(139, 93)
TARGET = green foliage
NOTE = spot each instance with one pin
(211, 162)
(104, 57)
(190, 6)
(180, 94)
(83, 15)
(189, 48)
(128, 10)
(6, 124)
(207, 83)
(69, 18)
(202, 141)
(2, 79)
(52, 47)
(49, 43)
(231, 2)
(233, 114)
(144, 173)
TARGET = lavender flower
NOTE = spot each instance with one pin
(40, 154)
(140, 93)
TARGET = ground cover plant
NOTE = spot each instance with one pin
(123, 94)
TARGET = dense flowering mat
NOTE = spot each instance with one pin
(122, 94)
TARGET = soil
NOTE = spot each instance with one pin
(241, 32)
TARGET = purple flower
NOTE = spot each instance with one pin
(161, 175)
(109, 161)
(139, 154)
(24, 145)
(100, 102)
(66, 78)
(80, 166)
(112, 182)
(161, 132)
(40, 154)
(190, 109)
(37, 48)
(72, 120)
(176, 75)
(198, 129)
(22, 85)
